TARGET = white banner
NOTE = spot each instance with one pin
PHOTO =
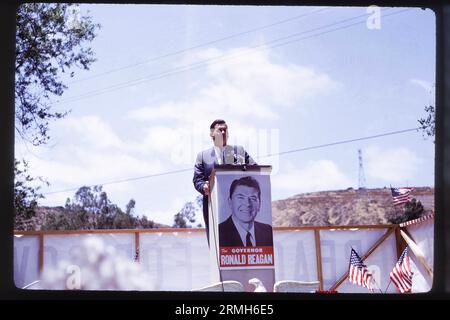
(179, 261)
(26, 267)
(295, 255)
(336, 246)
(423, 235)
(60, 247)
(379, 263)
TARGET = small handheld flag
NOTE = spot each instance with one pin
(401, 275)
(358, 272)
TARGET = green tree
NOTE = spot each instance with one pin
(92, 200)
(51, 39)
(428, 123)
(144, 223)
(94, 208)
(26, 196)
(124, 221)
(413, 209)
(187, 214)
(91, 208)
(130, 206)
(63, 220)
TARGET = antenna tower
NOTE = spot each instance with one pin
(362, 179)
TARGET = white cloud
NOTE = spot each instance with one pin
(274, 83)
(118, 193)
(166, 216)
(86, 161)
(320, 175)
(159, 138)
(164, 111)
(231, 98)
(392, 165)
(95, 155)
(85, 167)
(241, 90)
(250, 85)
(92, 131)
(427, 86)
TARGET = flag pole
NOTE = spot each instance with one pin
(379, 288)
(390, 281)
(375, 282)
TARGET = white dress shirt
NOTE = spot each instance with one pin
(219, 153)
(243, 232)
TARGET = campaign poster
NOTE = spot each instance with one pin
(244, 221)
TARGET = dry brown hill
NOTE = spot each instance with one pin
(342, 207)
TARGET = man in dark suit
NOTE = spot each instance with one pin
(220, 153)
(241, 229)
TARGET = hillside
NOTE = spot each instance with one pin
(324, 208)
(342, 207)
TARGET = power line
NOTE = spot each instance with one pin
(222, 58)
(200, 45)
(342, 142)
(126, 180)
(195, 65)
(261, 157)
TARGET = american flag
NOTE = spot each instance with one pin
(358, 273)
(401, 275)
(401, 195)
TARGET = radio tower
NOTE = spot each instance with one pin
(362, 179)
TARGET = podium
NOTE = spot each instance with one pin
(240, 218)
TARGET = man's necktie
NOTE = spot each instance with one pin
(223, 156)
(247, 240)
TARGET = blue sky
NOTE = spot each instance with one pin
(321, 84)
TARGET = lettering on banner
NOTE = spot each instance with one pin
(20, 270)
(152, 262)
(300, 267)
(186, 264)
(50, 256)
(328, 262)
(73, 281)
(246, 256)
(280, 258)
